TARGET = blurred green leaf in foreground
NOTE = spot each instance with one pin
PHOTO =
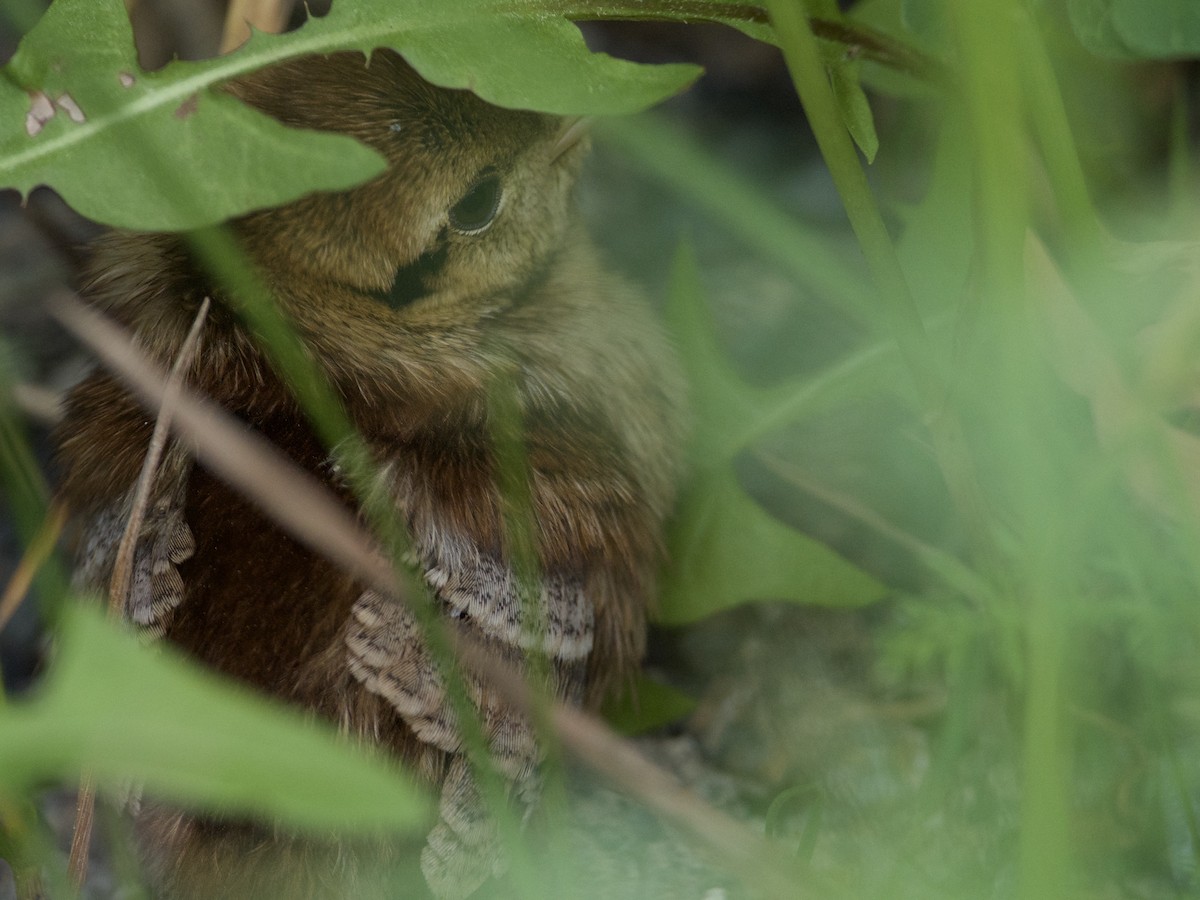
(80, 115)
(126, 713)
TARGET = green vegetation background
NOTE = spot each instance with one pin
(1031, 311)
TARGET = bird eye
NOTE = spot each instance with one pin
(478, 206)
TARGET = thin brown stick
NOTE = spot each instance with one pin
(263, 15)
(36, 553)
(118, 586)
(299, 504)
(81, 835)
(39, 403)
(236, 454)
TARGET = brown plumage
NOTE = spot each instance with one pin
(463, 264)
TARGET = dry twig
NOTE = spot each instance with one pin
(118, 586)
(39, 403)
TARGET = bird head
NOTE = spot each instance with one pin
(472, 206)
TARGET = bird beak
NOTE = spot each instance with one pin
(573, 131)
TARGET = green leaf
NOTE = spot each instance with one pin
(726, 550)
(924, 17)
(891, 17)
(732, 415)
(124, 712)
(523, 59)
(727, 407)
(822, 8)
(1158, 28)
(645, 706)
(809, 802)
(856, 109)
(117, 142)
(844, 69)
(80, 116)
(1092, 22)
(935, 249)
(1137, 29)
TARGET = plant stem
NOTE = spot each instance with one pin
(1055, 139)
(991, 35)
(803, 58)
(900, 310)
